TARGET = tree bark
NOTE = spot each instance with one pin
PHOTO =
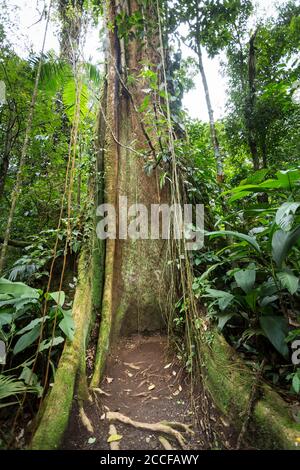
(4, 160)
(135, 281)
(70, 12)
(213, 131)
(250, 109)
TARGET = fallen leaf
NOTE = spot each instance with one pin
(151, 387)
(91, 440)
(114, 438)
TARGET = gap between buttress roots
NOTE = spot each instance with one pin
(143, 402)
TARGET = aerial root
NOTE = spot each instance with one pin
(164, 428)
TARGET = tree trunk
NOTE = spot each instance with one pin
(250, 109)
(213, 131)
(135, 281)
(4, 160)
(70, 12)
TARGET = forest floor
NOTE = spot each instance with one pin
(146, 383)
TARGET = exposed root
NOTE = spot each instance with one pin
(112, 432)
(165, 443)
(85, 420)
(101, 392)
(154, 427)
(180, 426)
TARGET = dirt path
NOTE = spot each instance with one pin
(146, 384)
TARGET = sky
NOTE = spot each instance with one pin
(31, 31)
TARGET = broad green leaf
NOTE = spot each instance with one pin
(251, 299)
(245, 279)
(18, 289)
(276, 330)
(282, 243)
(27, 340)
(250, 240)
(288, 281)
(28, 376)
(67, 324)
(47, 343)
(296, 383)
(256, 177)
(285, 215)
(58, 297)
(223, 319)
(288, 178)
(224, 298)
(5, 318)
(268, 300)
(32, 325)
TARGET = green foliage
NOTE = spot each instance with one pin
(252, 283)
(23, 325)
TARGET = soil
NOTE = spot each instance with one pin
(145, 382)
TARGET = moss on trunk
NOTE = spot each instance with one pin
(229, 382)
(55, 416)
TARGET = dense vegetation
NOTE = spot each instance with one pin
(244, 168)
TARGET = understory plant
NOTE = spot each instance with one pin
(251, 282)
(29, 332)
